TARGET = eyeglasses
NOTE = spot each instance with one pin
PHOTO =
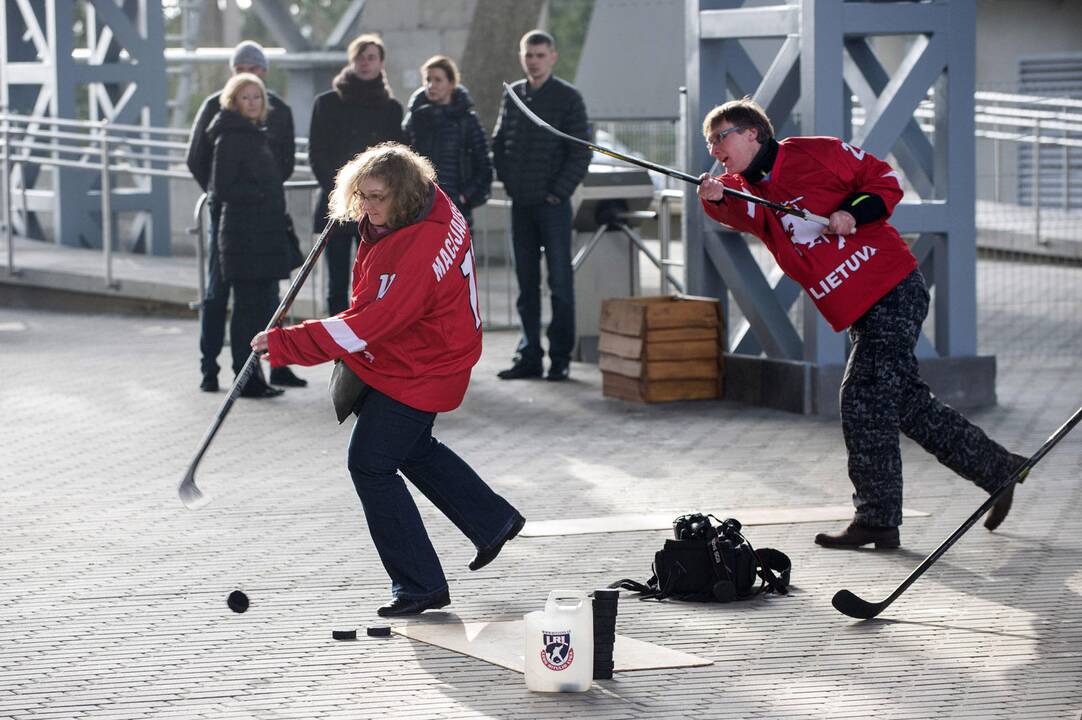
(717, 137)
(370, 199)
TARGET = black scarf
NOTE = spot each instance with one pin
(763, 162)
(353, 89)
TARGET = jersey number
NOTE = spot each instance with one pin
(467, 268)
(857, 152)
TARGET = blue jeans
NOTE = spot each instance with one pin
(215, 299)
(533, 228)
(389, 437)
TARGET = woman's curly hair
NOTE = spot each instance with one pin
(407, 175)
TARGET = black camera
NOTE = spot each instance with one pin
(694, 526)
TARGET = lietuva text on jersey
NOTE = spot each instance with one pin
(843, 274)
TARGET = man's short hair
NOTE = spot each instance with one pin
(744, 113)
(537, 37)
(361, 43)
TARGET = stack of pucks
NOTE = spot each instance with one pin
(604, 632)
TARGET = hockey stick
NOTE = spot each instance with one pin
(658, 168)
(192, 497)
(849, 604)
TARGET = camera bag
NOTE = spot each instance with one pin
(712, 565)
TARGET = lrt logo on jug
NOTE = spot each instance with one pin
(557, 653)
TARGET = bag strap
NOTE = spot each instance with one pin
(775, 569)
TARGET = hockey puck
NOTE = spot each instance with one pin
(237, 601)
(344, 634)
(379, 631)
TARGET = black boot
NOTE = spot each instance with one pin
(559, 371)
(284, 376)
(520, 370)
(998, 513)
(400, 607)
(257, 387)
(484, 557)
(855, 536)
(209, 384)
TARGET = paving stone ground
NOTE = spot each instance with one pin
(112, 595)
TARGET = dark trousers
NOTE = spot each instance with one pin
(537, 228)
(340, 252)
(254, 303)
(215, 299)
(882, 393)
(389, 438)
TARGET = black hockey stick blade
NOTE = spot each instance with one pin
(850, 604)
(671, 172)
(190, 495)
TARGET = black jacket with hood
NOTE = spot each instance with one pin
(245, 180)
(451, 137)
(348, 120)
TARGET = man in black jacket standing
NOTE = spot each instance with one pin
(359, 112)
(540, 172)
(248, 57)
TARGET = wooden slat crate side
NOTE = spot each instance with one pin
(682, 334)
(686, 350)
(619, 315)
(625, 388)
(681, 314)
(624, 346)
(703, 369)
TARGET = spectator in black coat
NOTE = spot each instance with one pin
(253, 248)
(358, 113)
(248, 57)
(540, 172)
(442, 126)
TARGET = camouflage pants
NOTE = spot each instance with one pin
(882, 393)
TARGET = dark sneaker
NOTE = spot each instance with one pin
(209, 384)
(520, 371)
(558, 372)
(400, 607)
(856, 536)
(484, 557)
(284, 376)
(998, 513)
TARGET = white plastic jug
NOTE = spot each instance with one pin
(560, 644)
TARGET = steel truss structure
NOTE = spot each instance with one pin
(116, 76)
(828, 52)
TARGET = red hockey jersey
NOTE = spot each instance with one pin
(844, 274)
(413, 328)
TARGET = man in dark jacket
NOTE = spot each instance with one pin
(358, 113)
(540, 172)
(248, 57)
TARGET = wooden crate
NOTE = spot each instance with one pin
(658, 349)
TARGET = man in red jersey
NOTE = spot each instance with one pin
(862, 277)
(412, 333)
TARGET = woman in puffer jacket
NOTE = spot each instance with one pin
(442, 126)
(252, 243)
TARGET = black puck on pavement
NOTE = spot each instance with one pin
(237, 601)
(379, 630)
(344, 634)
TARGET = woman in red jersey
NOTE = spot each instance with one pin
(412, 333)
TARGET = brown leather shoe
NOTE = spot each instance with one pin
(855, 536)
(998, 513)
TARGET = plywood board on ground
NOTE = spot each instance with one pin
(636, 390)
(663, 521)
(503, 644)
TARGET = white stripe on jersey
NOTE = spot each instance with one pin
(751, 208)
(343, 334)
(896, 176)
